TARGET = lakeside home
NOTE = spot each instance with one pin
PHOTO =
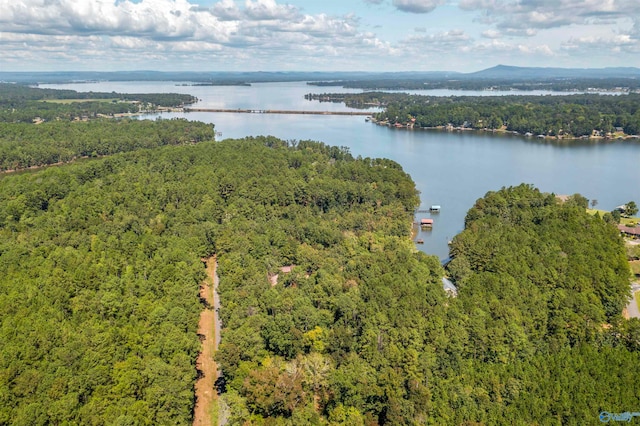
(595, 135)
(632, 231)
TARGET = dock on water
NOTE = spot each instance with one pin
(426, 223)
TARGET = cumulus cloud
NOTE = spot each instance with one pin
(480, 4)
(226, 10)
(417, 6)
(271, 34)
(152, 28)
(598, 45)
(499, 47)
(159, 19)
(270, 10)
(491, 34)
(526, 17)
(437, 43)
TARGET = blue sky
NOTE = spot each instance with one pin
(316, 35)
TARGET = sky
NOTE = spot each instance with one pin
(316, 35)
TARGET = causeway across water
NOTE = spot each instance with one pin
(276, 111)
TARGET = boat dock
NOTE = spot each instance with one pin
(275, 111)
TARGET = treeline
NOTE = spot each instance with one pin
(330, 314)
(540, 289)
(20, 103)
(100, 267)
(461, 82)
(562, 116)
(26, 145)
(360, 332)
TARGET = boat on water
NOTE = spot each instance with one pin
(426, 223)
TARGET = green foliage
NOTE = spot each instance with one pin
(19, 103)
(100, 269)
(630, 209)
(570, 116)
(541, 285)
(26, 145)
(426, 82)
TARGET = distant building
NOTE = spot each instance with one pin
(630, 230)
(426, 223)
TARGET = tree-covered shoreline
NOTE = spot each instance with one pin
(24, 146)
(24, 104)
(567, 85)
(562, 117)
(330, 314)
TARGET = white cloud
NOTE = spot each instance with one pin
(602, 46)
(148, 29)
(417, 6)
(525, 17)
(159, 19)
(440, 43)
(226, 10)
(272, 34)
(491, 34)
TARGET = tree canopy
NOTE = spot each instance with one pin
(330, 315)
(21, 103)
(568, 116)
(24, 145)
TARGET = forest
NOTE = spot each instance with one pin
(569, 116)
(24, 145)
(21, 103)
(100, 265)
(462, 82)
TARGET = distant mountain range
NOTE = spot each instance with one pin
(217, 76)
(500, 72)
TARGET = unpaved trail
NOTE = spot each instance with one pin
(209, 332)
(632, 311)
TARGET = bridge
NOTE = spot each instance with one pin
(276, 111)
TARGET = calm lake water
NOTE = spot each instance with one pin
(450, 169)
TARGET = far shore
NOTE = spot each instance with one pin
(618, 136)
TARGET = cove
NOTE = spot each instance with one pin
(451, 169)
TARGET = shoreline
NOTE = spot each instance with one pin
(620, 137)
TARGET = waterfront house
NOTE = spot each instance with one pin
(632, 231)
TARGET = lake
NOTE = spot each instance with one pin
(452, 169)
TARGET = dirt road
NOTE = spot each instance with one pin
(632, 310)
(209, 332)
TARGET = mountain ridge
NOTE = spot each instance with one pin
(497, 72)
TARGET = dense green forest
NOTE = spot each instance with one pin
(457, 82)
(20, 103)
(100, 264)
(24, 145)
(564, 116)
(362, 333)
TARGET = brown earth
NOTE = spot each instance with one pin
(207, 368)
